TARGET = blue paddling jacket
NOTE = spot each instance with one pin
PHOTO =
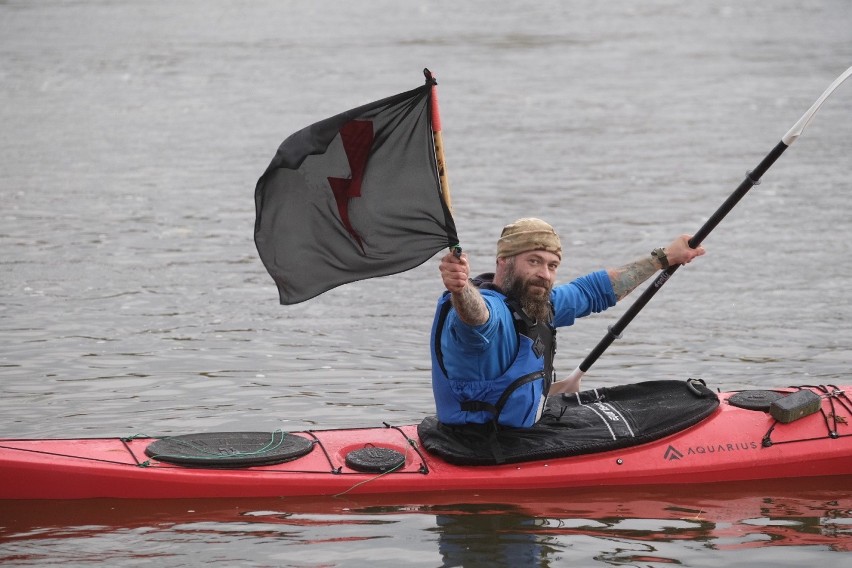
(516, 397)
(500, 372)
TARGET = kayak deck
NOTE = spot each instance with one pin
(733, 444)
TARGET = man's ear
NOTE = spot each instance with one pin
(500, 269)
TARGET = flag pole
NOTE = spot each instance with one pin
(572, 382)
(438, 138)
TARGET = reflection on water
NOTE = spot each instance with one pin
(493, 538)
(650, 526)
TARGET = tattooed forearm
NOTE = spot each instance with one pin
(470, 306)
(628, 277)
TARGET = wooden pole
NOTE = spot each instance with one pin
(438, 139)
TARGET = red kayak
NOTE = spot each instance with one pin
(811, 436)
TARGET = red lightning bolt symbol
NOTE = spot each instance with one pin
(357, 138)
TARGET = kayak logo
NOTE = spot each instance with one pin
(672, 454)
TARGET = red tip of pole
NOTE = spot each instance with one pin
(436, 114)
(433, 100)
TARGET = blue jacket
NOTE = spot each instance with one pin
(495, 370)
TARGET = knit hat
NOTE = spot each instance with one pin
(528, 234)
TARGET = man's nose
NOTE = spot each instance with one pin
(545, 273)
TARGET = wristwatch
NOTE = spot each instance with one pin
(660, 254)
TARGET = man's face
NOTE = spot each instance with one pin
(529, 277)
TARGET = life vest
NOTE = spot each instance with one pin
(515, 398)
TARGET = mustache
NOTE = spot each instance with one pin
(538, 282)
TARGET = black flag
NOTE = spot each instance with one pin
(352, 197)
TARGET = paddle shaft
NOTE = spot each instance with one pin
(752, 178)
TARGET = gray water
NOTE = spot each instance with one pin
(132, 299)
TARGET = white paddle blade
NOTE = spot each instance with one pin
(569, 384)
(802, 123)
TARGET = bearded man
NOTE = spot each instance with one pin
(494, 336)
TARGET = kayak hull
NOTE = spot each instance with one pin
(733, 444)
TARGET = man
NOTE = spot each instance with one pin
(494, 337)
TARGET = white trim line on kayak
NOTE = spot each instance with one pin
(605, 421)
(623, 419)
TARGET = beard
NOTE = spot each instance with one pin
(534, 301)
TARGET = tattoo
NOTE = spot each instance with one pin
(628, 277)
(470, 306)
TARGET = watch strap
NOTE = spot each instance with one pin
(660, 254)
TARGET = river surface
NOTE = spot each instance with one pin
(132, 299)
